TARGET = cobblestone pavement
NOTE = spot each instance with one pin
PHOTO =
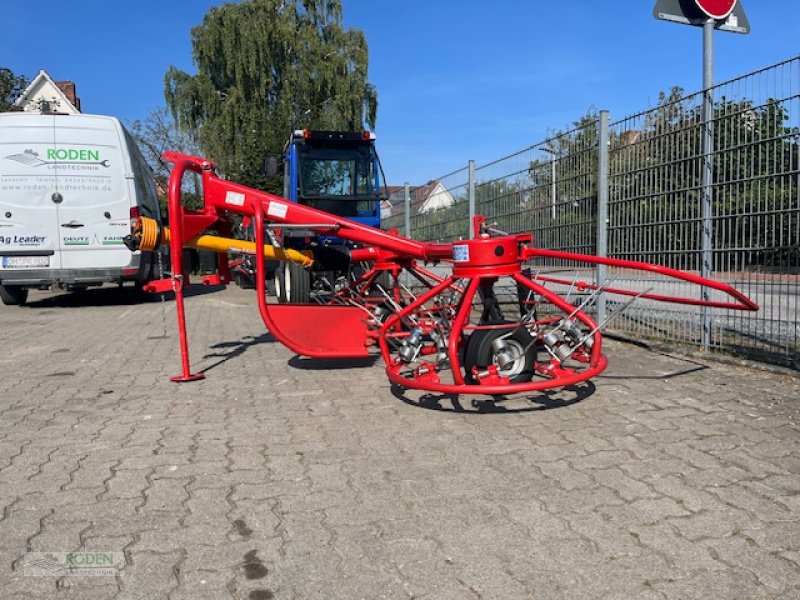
(279, 477)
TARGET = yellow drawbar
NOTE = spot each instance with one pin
(150, 234)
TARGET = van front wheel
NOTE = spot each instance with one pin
(13, 295)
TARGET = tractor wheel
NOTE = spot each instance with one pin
(293, 283)
(13, 295)
(279, 277)
(479, 353)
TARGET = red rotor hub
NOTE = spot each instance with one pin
(486, 257)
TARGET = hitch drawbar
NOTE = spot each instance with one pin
(147, 234)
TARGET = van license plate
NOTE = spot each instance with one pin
(21, 262)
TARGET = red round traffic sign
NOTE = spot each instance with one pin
(716, 9)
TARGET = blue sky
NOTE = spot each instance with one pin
(456, 79)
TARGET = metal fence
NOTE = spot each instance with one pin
(732, 213)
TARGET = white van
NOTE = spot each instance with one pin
(69, 187)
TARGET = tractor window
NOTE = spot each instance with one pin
(326, 172)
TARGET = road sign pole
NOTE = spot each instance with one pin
(706, 259)
(725, 15)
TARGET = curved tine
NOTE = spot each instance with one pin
(391, 321)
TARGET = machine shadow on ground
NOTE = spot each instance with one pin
(225, 351)
(114, 296)
(691, 368)
(519, 403)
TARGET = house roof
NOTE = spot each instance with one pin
(61, 91)
(419, 193)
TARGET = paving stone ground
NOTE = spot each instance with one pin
(280, 477)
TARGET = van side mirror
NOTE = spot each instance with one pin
(270, 167)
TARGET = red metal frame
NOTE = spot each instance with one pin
(344, 327)
(743, 302)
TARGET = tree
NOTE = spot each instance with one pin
(755, 167)
(264, 68)
(656, 184)
(566, 220)
(154, 135)
(11, 86)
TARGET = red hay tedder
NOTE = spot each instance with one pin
(452, 334)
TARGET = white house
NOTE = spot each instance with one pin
(424, 198)
(386, 209)
(436, 197)
(45, 95)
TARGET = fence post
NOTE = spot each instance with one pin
(471, 198)
(602, 208)
(707, 243)
(553, 188)
(407, 214)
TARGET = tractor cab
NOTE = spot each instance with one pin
(335, 171)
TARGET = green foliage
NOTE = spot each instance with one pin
(11, 86)
(443, 225)
(564, 220)
(656, 185)
(264, 68)
(755, 175)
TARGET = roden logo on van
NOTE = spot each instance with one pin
(72, 154)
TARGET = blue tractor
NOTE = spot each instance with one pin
(338, 172)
